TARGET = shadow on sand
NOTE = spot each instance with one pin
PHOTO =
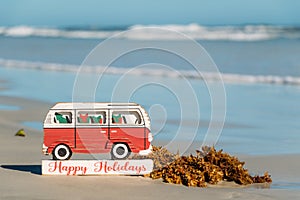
(34, 169)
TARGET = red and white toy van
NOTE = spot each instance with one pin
(118, 128)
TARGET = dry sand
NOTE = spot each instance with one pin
(21, 179)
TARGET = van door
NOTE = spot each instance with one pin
(127, 126)
(91, 131)
(59, 127)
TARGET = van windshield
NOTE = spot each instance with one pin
(63, 117)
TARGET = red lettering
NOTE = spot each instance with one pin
(105, 167)
(77, 168)
(109, 168)
(102, 167)
(122, 168)
(59, 167)
(70, 169)
(116, 166)
(131, 168)
(125, 166)
(63, 168)
(98, 166)
(138, 169)
(53, 166)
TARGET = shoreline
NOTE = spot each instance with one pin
(21, 160)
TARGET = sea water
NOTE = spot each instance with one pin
(261, 83)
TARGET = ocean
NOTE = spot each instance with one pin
(258, 66)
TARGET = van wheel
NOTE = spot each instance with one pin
(119, 151)
(62, 152)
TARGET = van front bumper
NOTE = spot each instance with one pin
(146, 152)
(45, 150)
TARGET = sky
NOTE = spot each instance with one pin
(110, 13)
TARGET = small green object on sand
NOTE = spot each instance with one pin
(21, 133)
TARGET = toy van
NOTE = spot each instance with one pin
(118, 128)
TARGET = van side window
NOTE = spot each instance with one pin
(126, 117)
(63, 117)
(91, 117)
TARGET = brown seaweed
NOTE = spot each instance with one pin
(160, 156)
(207, 166)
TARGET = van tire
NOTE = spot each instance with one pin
(120, 151)
(62, 152)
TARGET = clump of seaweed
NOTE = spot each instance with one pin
(207, 166)
(161, 157)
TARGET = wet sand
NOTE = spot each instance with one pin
(20, 171)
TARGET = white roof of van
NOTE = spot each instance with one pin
(72, 105)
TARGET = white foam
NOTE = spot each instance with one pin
(26, 31)
(194, 31)
(246, 33)
(226, 77)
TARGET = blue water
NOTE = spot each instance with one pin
(260, 118)
(271, 57)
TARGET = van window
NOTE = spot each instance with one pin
(126, 117)
(63, 117)
(91, 117)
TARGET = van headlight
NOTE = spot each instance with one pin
(150, 137)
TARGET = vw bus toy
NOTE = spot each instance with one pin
(118, 128)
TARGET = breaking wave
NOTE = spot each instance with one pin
(194, 31)
(227, 78)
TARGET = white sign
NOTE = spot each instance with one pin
(97, 167)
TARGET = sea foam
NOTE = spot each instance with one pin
(207, 76)
(142, 32)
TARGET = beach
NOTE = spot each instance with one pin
(21, 178)
(261, 85)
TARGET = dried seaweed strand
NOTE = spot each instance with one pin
(207, 166)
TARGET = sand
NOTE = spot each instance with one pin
(21, 178)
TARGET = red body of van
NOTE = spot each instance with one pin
(119, 128)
